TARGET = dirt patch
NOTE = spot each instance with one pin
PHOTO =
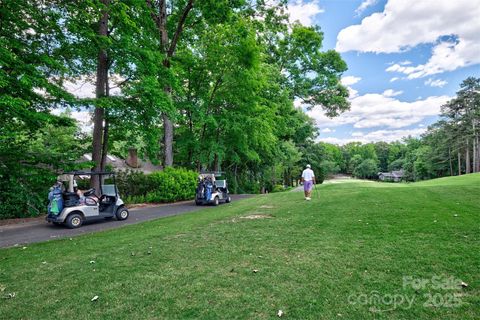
(266, 207)
(257, 216)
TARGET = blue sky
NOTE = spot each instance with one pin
(405, 57)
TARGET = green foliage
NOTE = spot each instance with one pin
(278, 188)
(396, 165)
(30, 162)
(367, 169)
(169, 185)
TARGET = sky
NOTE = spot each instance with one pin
(405, 59)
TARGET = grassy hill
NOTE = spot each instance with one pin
(360, 250)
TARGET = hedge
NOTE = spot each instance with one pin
(169, 185)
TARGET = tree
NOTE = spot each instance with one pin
(368, 169)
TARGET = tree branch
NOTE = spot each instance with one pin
(181, 22)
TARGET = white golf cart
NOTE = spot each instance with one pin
(210, 190)
(73, 209)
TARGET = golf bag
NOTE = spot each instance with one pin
(55, 205)
(205, 189)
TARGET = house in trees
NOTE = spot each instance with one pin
(131, 163)
(394, 176)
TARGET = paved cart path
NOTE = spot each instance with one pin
(39, 230)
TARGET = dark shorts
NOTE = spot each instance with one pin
(307, 185)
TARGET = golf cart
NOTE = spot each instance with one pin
(72, 208)
(210, 190)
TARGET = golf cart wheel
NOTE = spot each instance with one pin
(229, 199)
(216, 201)
(122, 214)
(74, 220)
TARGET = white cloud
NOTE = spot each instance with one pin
(391, 93)
(375, 136)
(303, 11)
(84, 87)
(405, 24)
(364, 5)
(405, 63)
(374, 110)
(350, 80)
(81, 88)
(394, 79)
(83, 118)
(435, 83)
(327, 130)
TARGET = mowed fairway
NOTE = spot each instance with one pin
(344, 255)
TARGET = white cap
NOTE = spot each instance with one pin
(308, 166)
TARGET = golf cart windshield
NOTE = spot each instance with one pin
(109, 190)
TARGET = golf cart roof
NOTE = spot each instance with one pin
(214, 173)
(89, 173)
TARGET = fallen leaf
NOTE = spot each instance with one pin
(280, 313)
(94, 298)
(464, 284)
(10, 295)
(255, 270)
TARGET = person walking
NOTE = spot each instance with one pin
(308, 179)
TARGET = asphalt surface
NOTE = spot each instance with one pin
(37, 231)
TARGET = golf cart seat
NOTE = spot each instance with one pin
(70, 199)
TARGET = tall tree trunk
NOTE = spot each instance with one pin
(105, 143)
(167, 123)
(168, 49)
(467, 158)
(105, 130)
(100, 92)
(459, 163)
(478, 153)
(474, 154)
(450, 161)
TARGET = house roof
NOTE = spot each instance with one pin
(393, 174)
(120, 164)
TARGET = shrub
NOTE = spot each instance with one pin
(278, 188)
(169, 185)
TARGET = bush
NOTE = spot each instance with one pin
(278, 188)
(168, 185)
(24, 195)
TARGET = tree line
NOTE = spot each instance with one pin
(449, 147)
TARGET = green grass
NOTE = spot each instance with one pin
(356, 240)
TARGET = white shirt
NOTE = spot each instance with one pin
(308, 174)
